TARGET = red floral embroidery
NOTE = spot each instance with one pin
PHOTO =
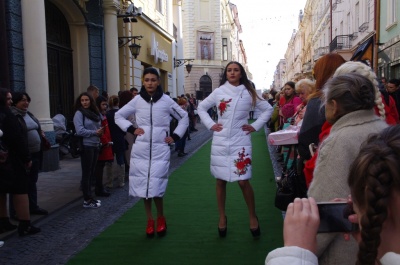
(242, 163)
(223, 106)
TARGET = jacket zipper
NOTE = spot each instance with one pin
(151, 146)
(230, 129)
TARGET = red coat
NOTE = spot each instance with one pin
(392, 116)
(106, 152)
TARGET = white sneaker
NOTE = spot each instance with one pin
(1, 243)
(91, 204)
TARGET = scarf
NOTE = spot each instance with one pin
(156, 96)
(17, 111)
(91, 115)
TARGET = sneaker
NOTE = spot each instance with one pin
(1, 243)
(91, 204)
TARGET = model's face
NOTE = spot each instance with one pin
(391, 87)
(23, 104)
(85, 102)
(150, 82)
(9, 100)
(233, 74)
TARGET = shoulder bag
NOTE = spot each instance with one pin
(289, 186)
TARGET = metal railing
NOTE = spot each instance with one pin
(340, 42)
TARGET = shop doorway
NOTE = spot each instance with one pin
(60, 67)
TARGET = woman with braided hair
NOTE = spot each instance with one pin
(384, 108)
(374, 181)
(349, 106)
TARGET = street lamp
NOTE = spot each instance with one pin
(179, 62)
(134, 47)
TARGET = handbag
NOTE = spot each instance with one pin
(290, 185)
(45, 143)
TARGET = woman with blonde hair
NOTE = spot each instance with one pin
(314, 116)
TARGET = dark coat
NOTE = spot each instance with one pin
(117, 135)
(13, 176)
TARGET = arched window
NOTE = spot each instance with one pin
(205, 86)
(59, 58)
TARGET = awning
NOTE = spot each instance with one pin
(364, 51)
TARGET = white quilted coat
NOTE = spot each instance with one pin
(231, 148)
(150, 156)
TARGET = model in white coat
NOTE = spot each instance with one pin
(149, 163)
(231, 145)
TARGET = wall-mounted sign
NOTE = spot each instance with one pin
(159, 55)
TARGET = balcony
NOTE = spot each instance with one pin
(340, 42)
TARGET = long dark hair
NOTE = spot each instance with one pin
(243, 81)
(92, 106)
(292, 85)
(373, 177)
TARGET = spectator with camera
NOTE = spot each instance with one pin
(377, 213)
(349, 107)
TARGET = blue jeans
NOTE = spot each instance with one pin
(88, 164)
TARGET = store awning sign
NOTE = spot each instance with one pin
(159, 55)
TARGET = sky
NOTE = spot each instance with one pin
(267, 28)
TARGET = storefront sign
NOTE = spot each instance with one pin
(159, 55)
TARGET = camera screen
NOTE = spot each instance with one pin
(333, 217)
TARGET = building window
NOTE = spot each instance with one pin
(391, 12)
(225, 49)
(159, 6)
(357, 17)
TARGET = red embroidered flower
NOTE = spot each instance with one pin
(223, 105)
(242, 163)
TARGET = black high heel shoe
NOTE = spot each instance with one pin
(256, 232)
(222, 231)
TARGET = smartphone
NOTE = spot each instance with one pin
(334, 217)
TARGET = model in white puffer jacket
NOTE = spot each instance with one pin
(231, 145)
(149, 164)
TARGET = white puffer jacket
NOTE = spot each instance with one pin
(231, 148)
(150, 155)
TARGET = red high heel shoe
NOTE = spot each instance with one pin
(161, 226)
(150, 228)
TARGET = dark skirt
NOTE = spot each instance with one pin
(13, 177)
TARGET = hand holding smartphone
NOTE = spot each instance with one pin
(334, 217)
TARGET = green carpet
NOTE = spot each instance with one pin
(192, 218)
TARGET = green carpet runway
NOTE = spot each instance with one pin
(192, 219)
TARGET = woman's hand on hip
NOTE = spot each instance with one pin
(138, 131)
(248, 128)
(216, 127)
(169, 140)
